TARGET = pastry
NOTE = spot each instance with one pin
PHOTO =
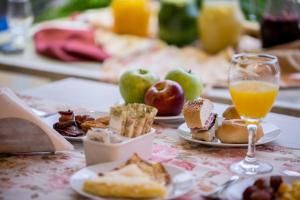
(235, 132)
(67, 125)
(134, 179)
(101, 122)
(83, 118)
(231, 113)
(128, 182)
(78, 125)
(132, 120)
(156, 171)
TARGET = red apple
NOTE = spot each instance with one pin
(167, 96)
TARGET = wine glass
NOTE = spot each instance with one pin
(253, 85)
(20, 18)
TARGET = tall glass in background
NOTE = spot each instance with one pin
(20, 18)
(280, 22)
(220, 24)
(253, 85)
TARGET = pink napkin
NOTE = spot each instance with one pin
(68, 45)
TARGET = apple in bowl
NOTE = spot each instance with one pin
(190, 83)
(167, 96)
(134, 83)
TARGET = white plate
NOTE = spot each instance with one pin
(235, 191)
(182, 181)
(170, 119)
(271, 132)
(54, 118)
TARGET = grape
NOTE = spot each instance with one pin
(248, 191)
(261, 183)
(260, 195)
(275, 182)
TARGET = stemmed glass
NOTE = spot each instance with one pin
(19, 16)
(253, 85)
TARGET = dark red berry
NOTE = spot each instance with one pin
(248, 192)
(275, 182)
(260, 195)
(261, 183)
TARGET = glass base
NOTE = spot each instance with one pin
(250, 168)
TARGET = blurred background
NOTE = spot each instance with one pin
(207, 28)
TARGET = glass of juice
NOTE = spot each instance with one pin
(131, 17)
(253, 85)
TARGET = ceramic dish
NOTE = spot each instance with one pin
(54, 118)
(182, 181)
(97, 152)
(271, 132)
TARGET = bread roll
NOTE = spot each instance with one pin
(235, 132)
(197, 112)
(231, 113)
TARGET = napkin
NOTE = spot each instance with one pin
(13, 107)
(68, 45)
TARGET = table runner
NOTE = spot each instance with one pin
(47, 176)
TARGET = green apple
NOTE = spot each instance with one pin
(191, 83)
(133, 84)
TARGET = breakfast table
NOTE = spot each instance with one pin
(31, 63)
(46, 176)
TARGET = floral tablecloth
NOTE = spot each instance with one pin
(46, 176)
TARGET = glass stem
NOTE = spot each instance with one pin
(250, 157)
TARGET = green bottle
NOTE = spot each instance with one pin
(253, 9)
(178, 21)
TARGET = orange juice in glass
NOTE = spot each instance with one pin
(253, 86)
(253, 99)
(131, 16)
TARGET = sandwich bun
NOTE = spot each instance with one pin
(231, 113)
(235, 132)
(197, 112)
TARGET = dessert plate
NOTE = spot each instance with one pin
(170, 119)
(271, 132)
(235, 191)
(182, 181)
(54, 118)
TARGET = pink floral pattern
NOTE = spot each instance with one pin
(47, 176)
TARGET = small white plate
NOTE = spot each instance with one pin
(235, 191)
(54, 118)
(170, 119)
(182, 181)
(271, 132)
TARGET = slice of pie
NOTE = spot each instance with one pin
(129, 181)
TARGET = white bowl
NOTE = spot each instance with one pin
(97, 152)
